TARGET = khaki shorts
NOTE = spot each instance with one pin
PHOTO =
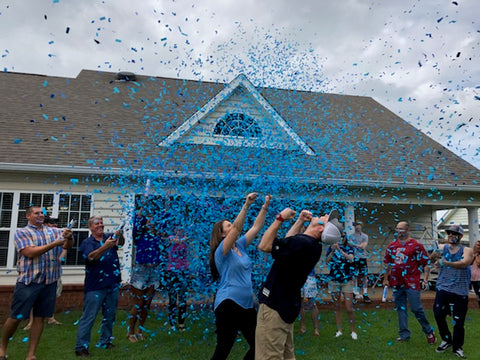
(336, 287)
(273, 336)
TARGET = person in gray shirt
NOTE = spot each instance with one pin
(360, 242)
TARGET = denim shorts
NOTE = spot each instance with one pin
(144, 276)
(39, 297)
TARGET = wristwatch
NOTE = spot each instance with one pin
(279, 217)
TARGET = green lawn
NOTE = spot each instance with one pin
(376, 330)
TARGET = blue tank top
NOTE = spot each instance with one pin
(451, 279)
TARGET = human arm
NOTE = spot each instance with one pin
(118, 237)
(259, 221)
(68, 237)
(364, 243)
(337, 248)
(387, 261)
(304, 216)
(465, 261)
(269, 235)
(386, 275)
(426, 273)
(98, 253)
(65, 240)
(237, 225)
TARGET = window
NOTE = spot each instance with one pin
(238, 125)
(26, 199)
(78, 208)
(6, 205)
(13, 206)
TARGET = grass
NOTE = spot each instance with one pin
(376, 330)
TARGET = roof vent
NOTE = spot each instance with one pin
(126, 76)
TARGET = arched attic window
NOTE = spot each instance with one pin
(238, 125)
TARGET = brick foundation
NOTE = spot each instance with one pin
(71, 299)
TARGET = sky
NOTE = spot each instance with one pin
(419, 58)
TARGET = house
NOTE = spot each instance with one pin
(87, 145)
(456, 216)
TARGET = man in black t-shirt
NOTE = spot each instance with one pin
(280, 300)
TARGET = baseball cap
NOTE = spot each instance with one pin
(455, 229)
(333, 229)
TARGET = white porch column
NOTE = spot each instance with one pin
(126, 258)
(349, 213)
(473, 232)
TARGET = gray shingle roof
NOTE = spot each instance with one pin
(94, 121)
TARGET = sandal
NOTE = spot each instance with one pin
(132, 338)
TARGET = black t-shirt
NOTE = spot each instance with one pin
(294, 258)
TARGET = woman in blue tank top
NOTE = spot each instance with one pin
(229, 262)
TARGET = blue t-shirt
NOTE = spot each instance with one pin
(148, 244)
(101, 273)
(235, 275)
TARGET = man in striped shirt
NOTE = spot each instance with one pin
(39, 268)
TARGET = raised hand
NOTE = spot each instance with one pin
(305, 215)
(288, 213)
(251, 198)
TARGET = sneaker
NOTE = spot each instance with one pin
(354, 335)
(367, 299)
(338, 334)
(82, 353)
(459, 353)
(431, 338)
(443, 346)
(400, 339)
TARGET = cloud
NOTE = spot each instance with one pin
(420, 59)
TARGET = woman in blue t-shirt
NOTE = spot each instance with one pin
(229, 262)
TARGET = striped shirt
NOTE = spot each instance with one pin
(45, 268)
(454, 280)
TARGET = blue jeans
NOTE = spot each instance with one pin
(401, 295)
(107, 299)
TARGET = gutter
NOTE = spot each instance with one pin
(83, 170)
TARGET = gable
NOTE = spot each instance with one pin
(238, 104)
